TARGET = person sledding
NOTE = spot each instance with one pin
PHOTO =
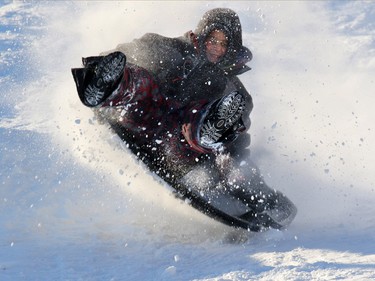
(179, 102)
(180, 73)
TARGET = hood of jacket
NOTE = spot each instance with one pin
(226, 20)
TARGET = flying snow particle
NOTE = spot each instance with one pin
(171, 270)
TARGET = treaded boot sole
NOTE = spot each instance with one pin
(223, 116)
(106, 74)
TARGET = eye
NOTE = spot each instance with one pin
(224, 44)
(214, 41)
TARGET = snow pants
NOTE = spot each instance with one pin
(153, 121)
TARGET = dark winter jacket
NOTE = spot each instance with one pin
(180, 65)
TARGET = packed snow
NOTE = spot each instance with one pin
(75, 205)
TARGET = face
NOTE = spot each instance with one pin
(216, 46)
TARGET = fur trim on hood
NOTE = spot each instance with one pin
(227, 21)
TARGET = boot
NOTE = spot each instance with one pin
(99, 78)
(223, 118)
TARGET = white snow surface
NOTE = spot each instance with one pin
(74, 205)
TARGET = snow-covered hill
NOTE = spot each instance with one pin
(75, 206)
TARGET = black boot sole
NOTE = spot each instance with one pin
(107, 74)
(223, 115)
